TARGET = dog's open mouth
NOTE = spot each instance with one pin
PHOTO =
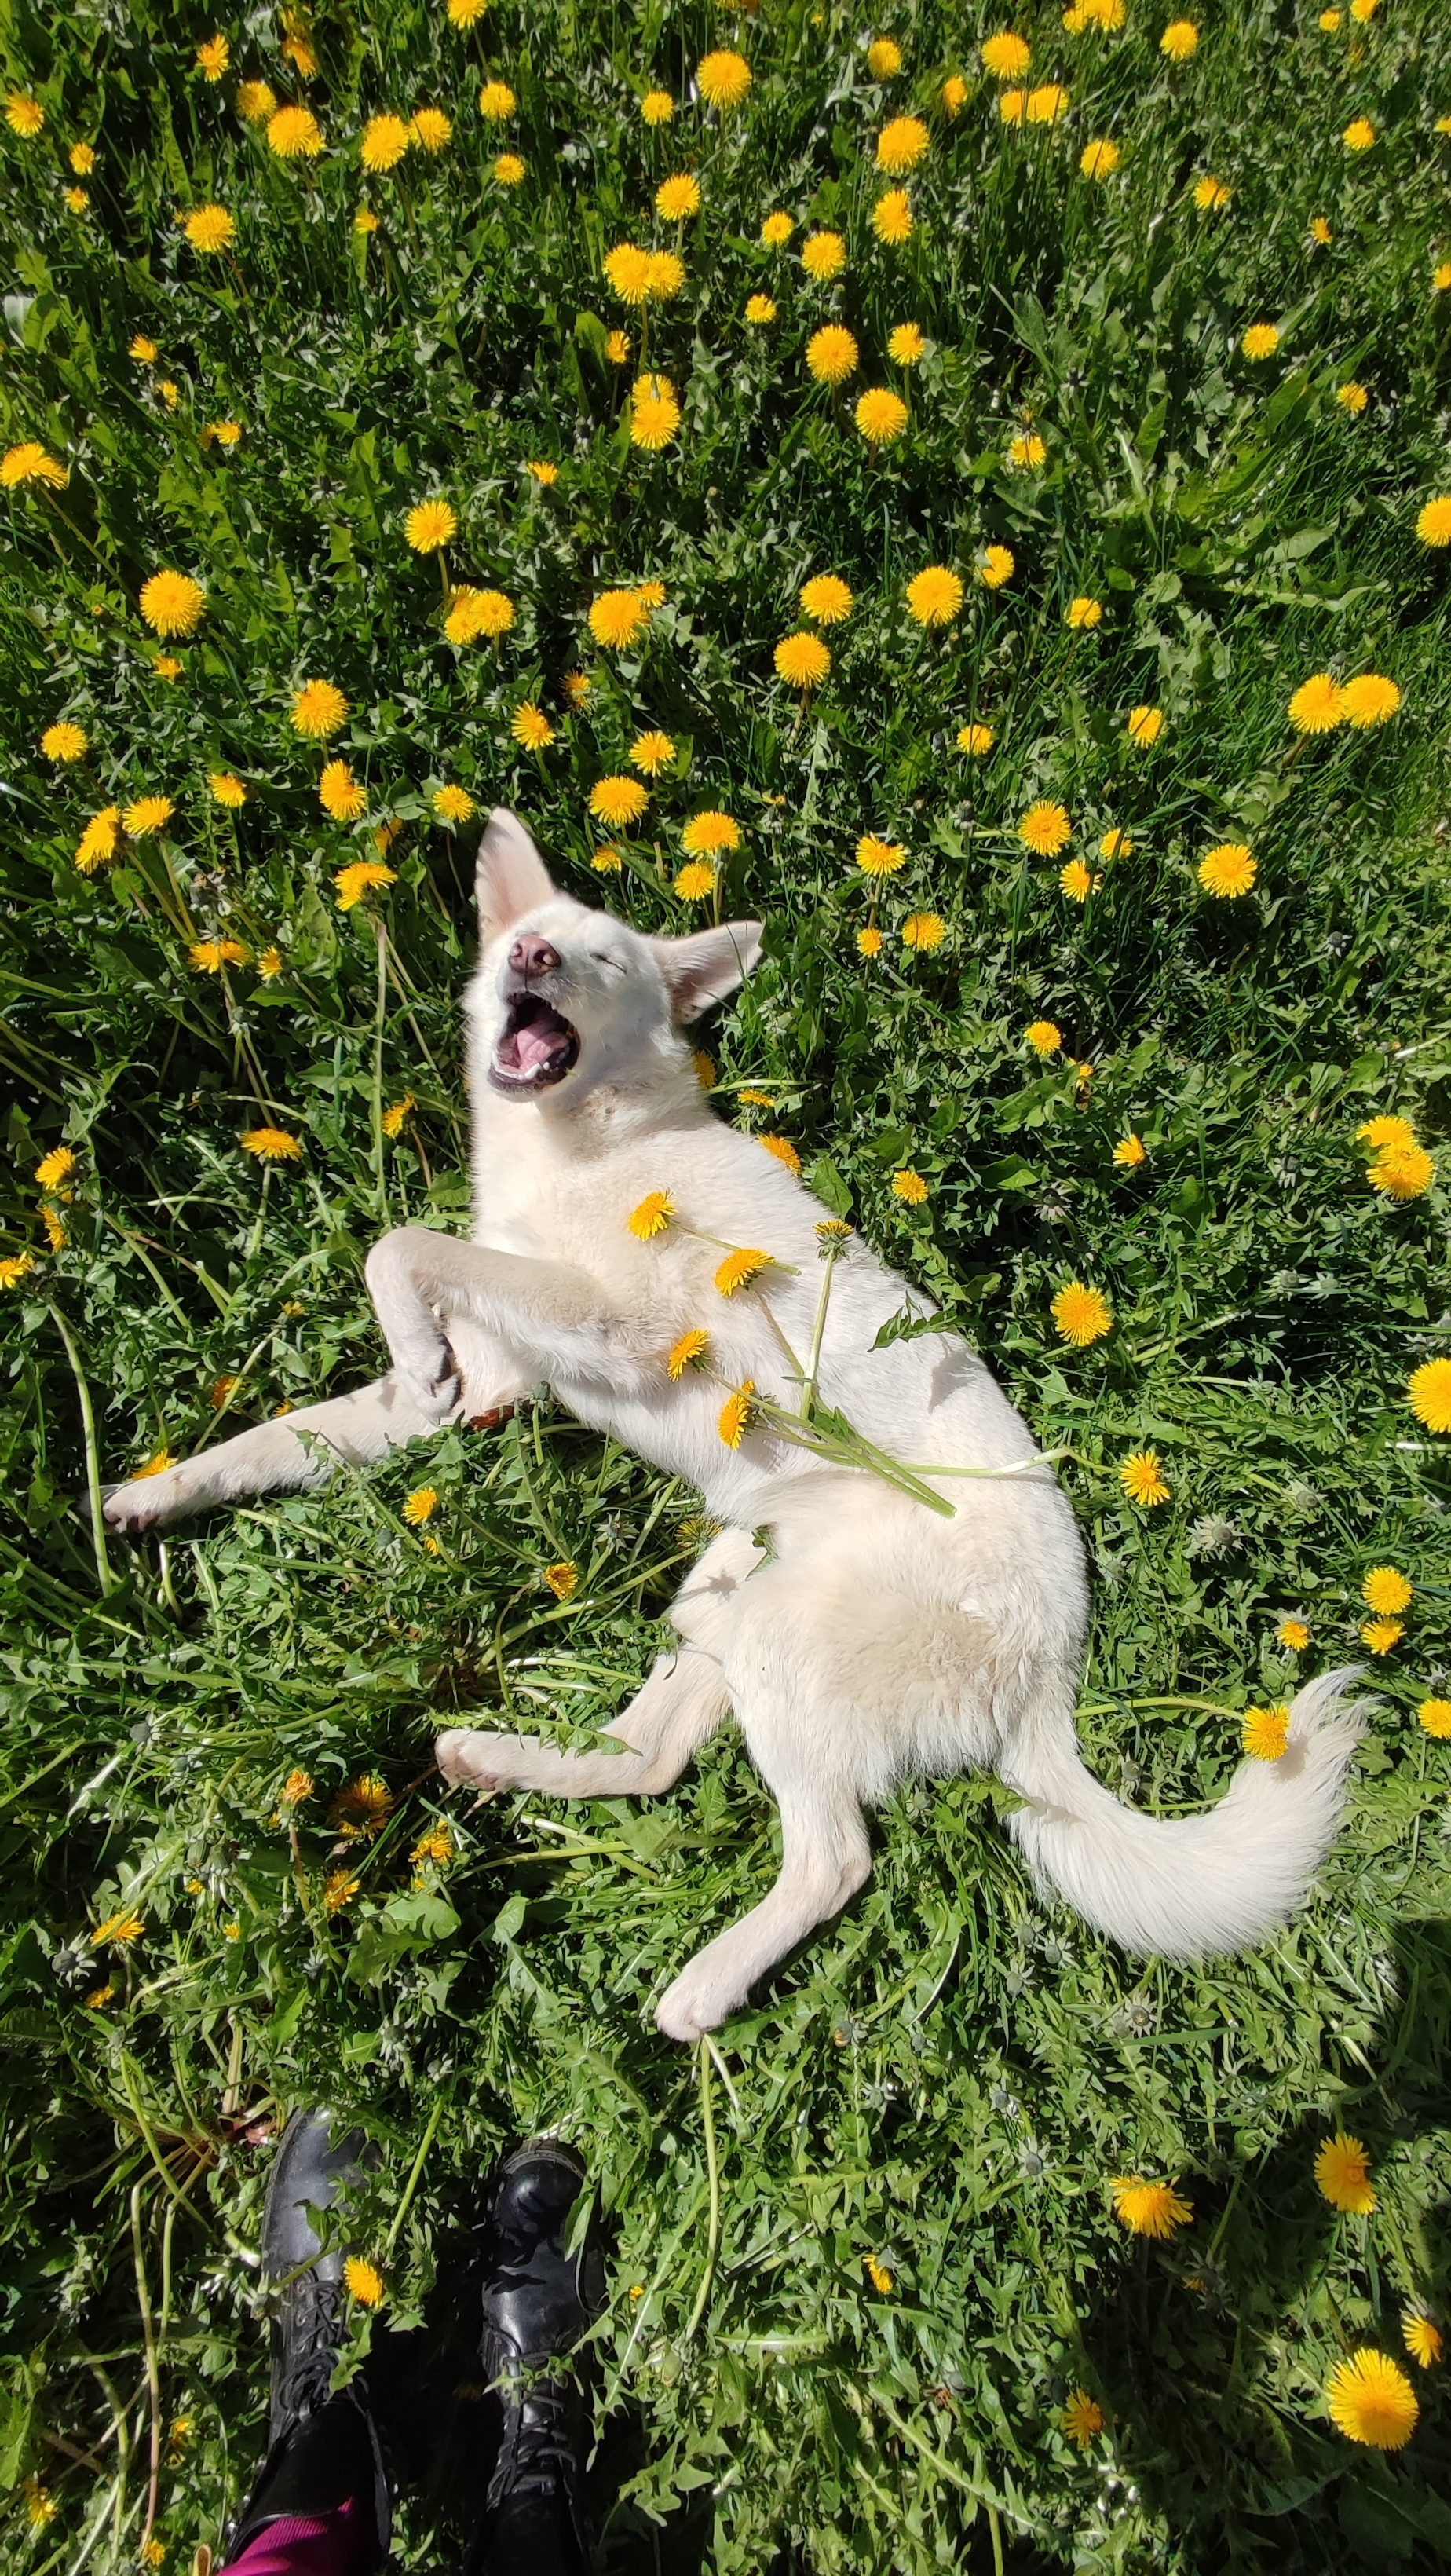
(537, 1047)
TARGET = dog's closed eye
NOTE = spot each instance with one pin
(616, 965)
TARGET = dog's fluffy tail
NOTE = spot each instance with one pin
(1183, 1887)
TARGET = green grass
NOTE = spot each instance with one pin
(947, 2079)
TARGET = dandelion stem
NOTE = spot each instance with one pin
(411, 2186)
(153, 2364)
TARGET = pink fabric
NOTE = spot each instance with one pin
(340, 2543)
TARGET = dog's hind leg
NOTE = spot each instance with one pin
(682, 1702)
(825, 1858)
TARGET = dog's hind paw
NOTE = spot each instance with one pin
(463, 1755)
(696, 2003)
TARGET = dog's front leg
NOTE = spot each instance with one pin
(557, 1321)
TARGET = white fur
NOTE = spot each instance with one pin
(875, 1639)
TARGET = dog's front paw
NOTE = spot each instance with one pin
(470, 1759)
(700, 2000)
(431, 1375)
(148, 1503)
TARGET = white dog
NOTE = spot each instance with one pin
(857, 1634)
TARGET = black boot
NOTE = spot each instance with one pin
(322, 2450)
(538, 2302)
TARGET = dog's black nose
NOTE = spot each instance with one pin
(531, 956)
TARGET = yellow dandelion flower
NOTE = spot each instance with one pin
(954, 94)
(881, 2276)
(657, 107)
(431, 524)
(909, 1186)
(99, 841)
(509, 170)
(395, 1117)
(256, 101)
(64, 742)
(1402, 1172)
(802, 661)
(297, 1788)
(209, 956)
(563, 1579)
(364, 2280)
(1342, 2174)
(294, 134)
(24, 115)
(823, 256)
(1352, 398)
(869, 942)
(1261, 340)
(1149, 2208)
(654, 413)
(362, 1807)
(1385, 1131)
(1386, 1588)
(1115, 844)
(1228, 870)
(776, 231)
(881, 416)
(1381, 1635)
(652, 1216)
(618, 801)
(1429, 1394)
(892, 218)
(1082, 2419)
(827, 599)
(1422, 2337)
(339, 793)
(877, 858)
(1140, 1478)
(339, 1889)
(677, 198)
(995, 566)
(1211, 194)
(531, 728)
(1293, 1634)
(692, 1346)
(55, 1169)
(760, 309)
(362, 878)
(318, 709)
(617, 617)
(496, 102)
(40, 2505)
(905, 345)
(884, 58)
(1433, 527)
(211, 229)
(923, 931)
(1370, 700)
(934, 596)
(1081, 1315)
(1179, 40)
(975, 739)
(148, 814)
(119, 1930)
(1045, 829)
(454, 805)
(608, 861)
(1046, 105)
(1099, 159)
(15, 1267)
(1266, 1732)
(1318, 705)
(723, 79)
(1013, 106)
(735, 1414)
(172, 603)
(783, 1150)
(543, 472)
(627, 269)
(651, 752)
(430, 129)
(1435, 1717)
(82, 159)
(695, 880)
(902, 144)
(708, 833)
(1044, 1037)
(1359, 134)
(1006, 57)
(478, 612)
(272, 1145)
(740, 1267)
(1130, 1152)
(1320, 232)
(1145, 725)
(832, 354)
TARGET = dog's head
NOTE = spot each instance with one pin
(564, 999)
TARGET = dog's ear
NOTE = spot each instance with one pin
(707, 965)
(512, 878)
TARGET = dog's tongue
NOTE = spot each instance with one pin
(537, 1041)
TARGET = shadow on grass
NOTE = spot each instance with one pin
(1241, 2477)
